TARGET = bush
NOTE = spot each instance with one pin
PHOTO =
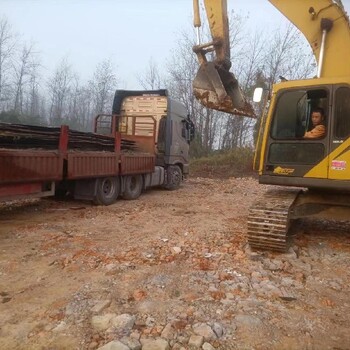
(230, 163)
(10, 117)
(17, 118)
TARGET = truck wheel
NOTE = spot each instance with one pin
(174, 177)
(133, 187)
(107, 191)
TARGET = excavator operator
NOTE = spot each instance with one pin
(319, 129)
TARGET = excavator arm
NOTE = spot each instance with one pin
(214, 85)
(325, 25)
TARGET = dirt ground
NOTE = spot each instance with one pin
(171, 269)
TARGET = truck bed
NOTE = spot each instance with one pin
(19, 136)
(34, 154)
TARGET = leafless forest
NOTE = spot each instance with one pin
(29, 94)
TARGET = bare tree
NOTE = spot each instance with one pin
(80, 106)
(33, 103)
(238, 131)
(59, 87)
(182, 68)
(73, 102)
(24, 68)
(287, 55)
(102, 86)
(34, 109)
(7, 49)
(151, 78)
(85, 109)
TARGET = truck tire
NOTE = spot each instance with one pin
(174, 177)
(132, 187)
(107, 190)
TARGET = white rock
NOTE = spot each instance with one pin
(169, 332)
(123, 322)
(114, 345)
(178, 346)
(154, 344)
(207, 346)
(195, 342)
(110, 267)
(101, 323)
(204, 330)
(60, 327)
(132, 343)
(100, 306)
(176, 250)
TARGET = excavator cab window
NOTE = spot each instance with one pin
(316, 99)
(292, 118)
(342, 113)
(287, 112)
(293, 112)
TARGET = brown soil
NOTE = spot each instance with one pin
(179, 255)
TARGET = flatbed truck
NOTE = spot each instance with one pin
(143, 143)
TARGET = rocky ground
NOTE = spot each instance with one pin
(171, 270)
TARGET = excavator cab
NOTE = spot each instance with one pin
(215, 86)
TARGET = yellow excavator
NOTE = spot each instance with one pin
(316, 170)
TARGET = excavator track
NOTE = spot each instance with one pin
(268, 220)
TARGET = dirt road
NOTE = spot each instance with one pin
(170, 270)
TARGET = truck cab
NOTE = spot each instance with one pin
(157, 124)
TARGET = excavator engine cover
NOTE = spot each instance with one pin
(217, 88)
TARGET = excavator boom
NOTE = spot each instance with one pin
(325, 25)
(319, 20)
(214, 85)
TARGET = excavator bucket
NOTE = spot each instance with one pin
(217, 88)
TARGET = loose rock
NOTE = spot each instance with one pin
(154, 344)
(114, 345)
(100, 306)
(204, 330)
(195, 342)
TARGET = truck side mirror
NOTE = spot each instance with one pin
(187, 131)
(184, 130)
(192, 131)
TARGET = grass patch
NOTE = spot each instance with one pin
(224, 164)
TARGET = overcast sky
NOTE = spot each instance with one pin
(129, 32)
